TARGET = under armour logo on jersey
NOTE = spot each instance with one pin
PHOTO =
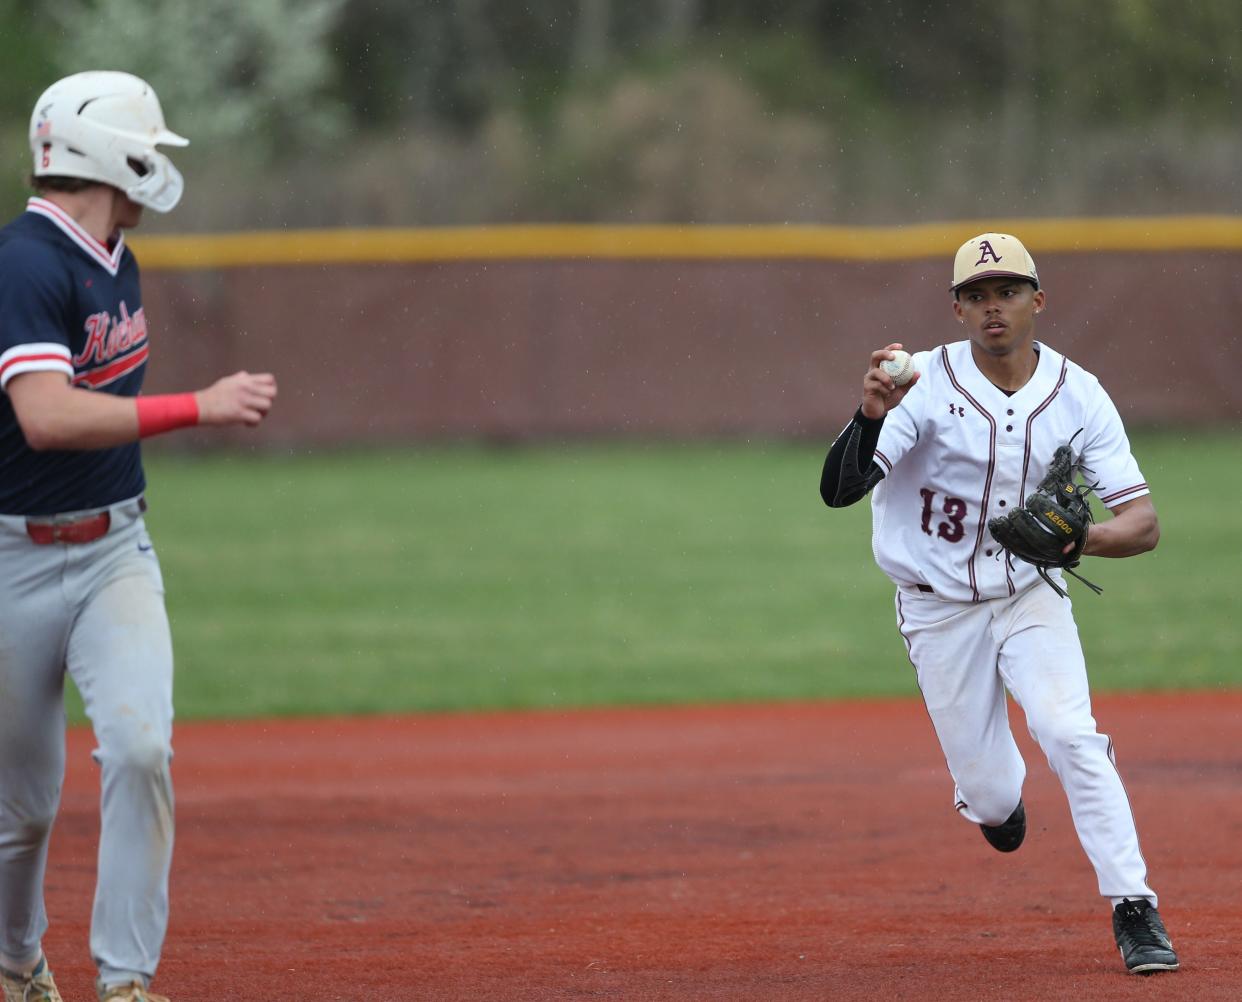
(960, 411)
(986, 253)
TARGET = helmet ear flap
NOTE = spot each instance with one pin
(161, 187)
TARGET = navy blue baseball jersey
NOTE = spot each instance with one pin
(68, 304)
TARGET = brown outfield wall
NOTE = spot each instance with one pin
(539, 349)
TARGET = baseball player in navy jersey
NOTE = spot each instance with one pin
(967, 438)
(81, 589)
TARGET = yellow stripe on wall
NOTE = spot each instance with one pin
(843, 243)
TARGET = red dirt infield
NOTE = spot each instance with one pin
(791, 851)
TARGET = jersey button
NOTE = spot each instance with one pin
(1008, 427)
(1001, 503)
(1009, 412)
(987, 553)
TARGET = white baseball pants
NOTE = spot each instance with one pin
(966, 655)
(96, 609)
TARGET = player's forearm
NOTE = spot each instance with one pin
(56, 416)
(1133, 529)
(76, 419)
(849, 471)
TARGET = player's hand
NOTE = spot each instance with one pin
(880, 395)
(242, 398)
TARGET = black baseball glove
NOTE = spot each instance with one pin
(1054, 516)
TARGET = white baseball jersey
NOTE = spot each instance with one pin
(958, 451)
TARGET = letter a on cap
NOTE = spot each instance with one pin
(986, 253)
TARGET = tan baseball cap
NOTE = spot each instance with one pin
(991, 254)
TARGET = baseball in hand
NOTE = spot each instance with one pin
(900, 368)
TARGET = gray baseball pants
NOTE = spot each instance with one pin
(96, 610)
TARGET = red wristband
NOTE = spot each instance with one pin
(165, 412)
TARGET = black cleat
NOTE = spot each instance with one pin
(1008, 835)
(1142, 939)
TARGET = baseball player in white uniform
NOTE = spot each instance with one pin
(967, 438)
(81, 589)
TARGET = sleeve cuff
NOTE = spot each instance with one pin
(40, 357)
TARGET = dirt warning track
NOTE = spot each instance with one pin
(776, 852)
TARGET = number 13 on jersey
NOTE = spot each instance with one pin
(954, 510)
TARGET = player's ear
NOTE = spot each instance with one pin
(1040, 300)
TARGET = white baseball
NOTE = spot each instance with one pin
(900, 368)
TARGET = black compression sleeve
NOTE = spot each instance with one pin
(849, 469)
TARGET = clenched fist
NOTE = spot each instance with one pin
(242, 398)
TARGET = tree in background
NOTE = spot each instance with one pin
(25, 70)
(928, 109)
(408, 112)
(249, 83)
(258, 75)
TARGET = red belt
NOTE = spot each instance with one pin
(83, 530)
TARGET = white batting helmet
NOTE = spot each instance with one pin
(102, 125)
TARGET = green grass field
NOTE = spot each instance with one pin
(473, 578)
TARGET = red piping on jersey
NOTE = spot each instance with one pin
(987, 481)
(1026, 453)
(888, 463)
(110, 260)
(113, 370)
(1120, 494)
(19, 359)
(1026, 456)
